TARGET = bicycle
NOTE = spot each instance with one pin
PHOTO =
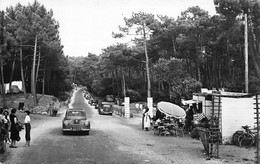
(244, 138)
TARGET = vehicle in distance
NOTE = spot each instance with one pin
(106, 108)
(75, 120)
(94, 102)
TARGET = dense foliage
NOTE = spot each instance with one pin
(31, 50)
(182, 55)
(193, 51)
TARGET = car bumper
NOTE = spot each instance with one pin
(75, 128)
(106, 112)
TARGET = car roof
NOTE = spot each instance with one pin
(76, 109)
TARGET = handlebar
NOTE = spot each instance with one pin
(246, 127)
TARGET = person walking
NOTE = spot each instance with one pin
(14, 131)
(27, 123)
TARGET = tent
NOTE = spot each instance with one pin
(171, 109)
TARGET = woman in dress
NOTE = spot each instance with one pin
(14, 131)
(147, 119)
(27, 123)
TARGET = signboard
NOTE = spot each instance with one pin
(127, 107)
(150, 105)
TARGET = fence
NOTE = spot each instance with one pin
(257, 155)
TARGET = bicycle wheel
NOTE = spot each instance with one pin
(246, 140)
(236, 137)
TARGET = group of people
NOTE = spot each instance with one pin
(159, 118)
(12, 126)
(186, 123)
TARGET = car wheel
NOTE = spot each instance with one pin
(64, 133)
(87, 132)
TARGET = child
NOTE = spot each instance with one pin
(27, 123)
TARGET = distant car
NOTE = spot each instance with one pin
(94, 102)
(109, 98)
(106, 108)
(75, 120)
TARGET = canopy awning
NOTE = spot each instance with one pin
(171, 109)
(188, 102)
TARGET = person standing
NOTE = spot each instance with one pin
(7, 125)
(147, 119)
(27, 123)
(14, 131)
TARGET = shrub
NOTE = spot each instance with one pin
(134, 95)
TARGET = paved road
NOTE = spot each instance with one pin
(51, 147)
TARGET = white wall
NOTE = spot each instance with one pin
(236, 112)
(18, 83)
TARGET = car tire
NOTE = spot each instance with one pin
(64, 133)
(87, 133)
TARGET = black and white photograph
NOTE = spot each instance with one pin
(129, 81)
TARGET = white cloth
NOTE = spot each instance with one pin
(147, 121)
(27, 119)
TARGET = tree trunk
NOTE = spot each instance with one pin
(43, 79)
(147, 65)
(11, 77)
(22, 74)
(33, 86)
(37, 70)
(123, 84)
(113, 82)
(1, 57)
(2, 80)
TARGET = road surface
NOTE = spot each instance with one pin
(112, 140)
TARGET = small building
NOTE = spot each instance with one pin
(233, 110)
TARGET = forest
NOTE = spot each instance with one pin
(168, 58)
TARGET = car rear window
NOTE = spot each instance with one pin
(75, 114)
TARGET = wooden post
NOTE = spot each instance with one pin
(257, 134)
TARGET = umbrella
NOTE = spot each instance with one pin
(171, 109)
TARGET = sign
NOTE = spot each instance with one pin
(150, 105)
(127, 107)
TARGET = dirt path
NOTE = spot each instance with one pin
(179, 150)
(131, 139)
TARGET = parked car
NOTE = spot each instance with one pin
(110, 98)
(106, 108)
(94, 102)
(75, 120)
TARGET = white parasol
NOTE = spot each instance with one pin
(171, 109)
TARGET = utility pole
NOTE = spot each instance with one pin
(246, 54)
(1, 56)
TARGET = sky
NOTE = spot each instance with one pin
(86, 26)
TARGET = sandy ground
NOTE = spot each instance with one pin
(153, 149)
(169, 149)
(175, 149)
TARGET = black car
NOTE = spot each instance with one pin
(106, 108)
(94, 102)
